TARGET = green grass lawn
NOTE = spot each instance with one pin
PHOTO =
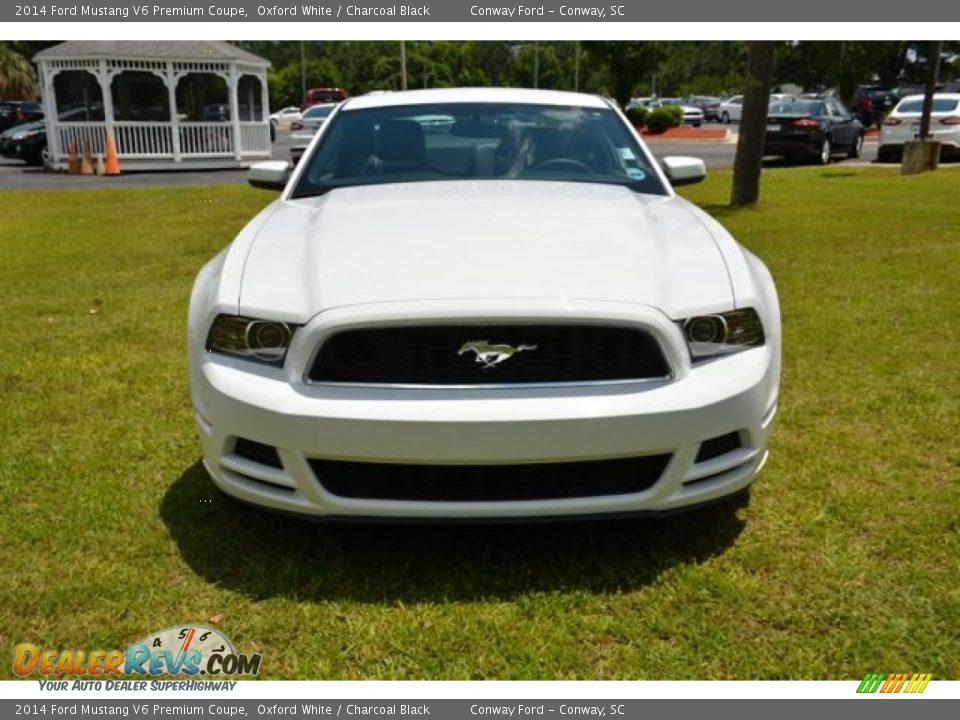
(845, 561)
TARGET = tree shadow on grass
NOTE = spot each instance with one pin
(262, 554)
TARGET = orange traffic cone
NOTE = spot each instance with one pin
(112, 164)
(99, 166)
(73, 162)
(86, 165)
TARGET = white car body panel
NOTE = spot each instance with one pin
(285, 116)
(482, 252)
(732, 107)
(897, 135)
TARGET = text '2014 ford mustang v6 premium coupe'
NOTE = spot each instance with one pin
(482, 303)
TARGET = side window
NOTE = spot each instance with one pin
(841, 109)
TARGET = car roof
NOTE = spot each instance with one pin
(936, 96)
(475, 95)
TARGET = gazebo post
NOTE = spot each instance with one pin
(171, 79)
(50, 111)
(233, 82)
(265, 98)
(105, 78)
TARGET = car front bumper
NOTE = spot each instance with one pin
(482, 426)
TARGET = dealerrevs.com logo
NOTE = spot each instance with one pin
(184, 650)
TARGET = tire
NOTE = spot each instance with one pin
(273, 132)
(725, 118)
(856, 150)
(34, 159)
(826, 152)
(696, 124)
(885, 154)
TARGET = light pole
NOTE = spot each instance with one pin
(403, 64)
(536, 64)
(303, 74)
(576, 67)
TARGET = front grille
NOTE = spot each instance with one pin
(489, 483)
(436, 355)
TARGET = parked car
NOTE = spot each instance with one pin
(731, 109)
(303, 130)
(306, 126)
(27, 142)
(871, 103)
(323, 96)
(19, 112)
(282, 118)
(812, 129)
(691, 115)
(501, 321)
(903, 124)
(708, 105)
(638, 102)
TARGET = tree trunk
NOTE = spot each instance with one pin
(933, 67)
(753, 124)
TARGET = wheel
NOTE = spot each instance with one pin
(886, 154)
(856, 150)
(725, 118)
(697, 124)
(826, 152)
(273, 132)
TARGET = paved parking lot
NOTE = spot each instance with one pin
(717, 154)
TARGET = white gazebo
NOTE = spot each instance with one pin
(169, 104)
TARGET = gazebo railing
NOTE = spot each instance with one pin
(255, 137)
(154, 140)
(143, 139)
(80, 134)
(206, 139)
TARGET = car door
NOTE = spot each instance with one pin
(736, 107)
(841, 122)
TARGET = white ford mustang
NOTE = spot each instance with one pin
(510, 316)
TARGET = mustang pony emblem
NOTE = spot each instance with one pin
(490, 355)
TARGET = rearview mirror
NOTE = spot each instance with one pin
(270, 175)
(682, 170)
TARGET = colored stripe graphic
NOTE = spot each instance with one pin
(871, 682)
(894, 683)
(919, 683)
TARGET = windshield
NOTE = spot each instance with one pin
(471, 141)
(940, 105)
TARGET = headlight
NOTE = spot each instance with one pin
(712, 335)
(264, 341)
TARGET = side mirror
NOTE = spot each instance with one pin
(681, 170)
(270, 175)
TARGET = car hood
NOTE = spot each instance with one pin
(10, 132)
(482, 239)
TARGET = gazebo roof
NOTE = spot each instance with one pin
(180, 50)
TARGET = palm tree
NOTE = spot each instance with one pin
(17, 79)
